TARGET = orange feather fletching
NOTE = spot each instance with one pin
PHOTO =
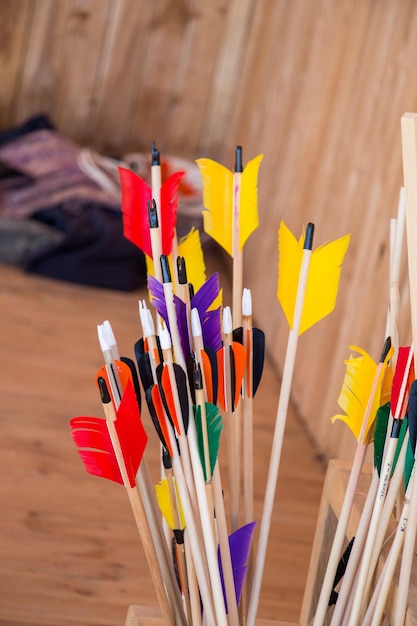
(238, 363)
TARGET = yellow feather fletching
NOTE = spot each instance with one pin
(356, 390)
(165, 506)
(150, 268)
(323, 277)
(387, 385)
(190, 248)
(218, 201)
(249, 219)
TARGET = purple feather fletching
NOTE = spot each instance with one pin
(210, 320)
(182, 323)
(207, 293)
(203, 299)
(239, 543)
(211, 327)
(158, 297)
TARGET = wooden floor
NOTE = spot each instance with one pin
(69, 551)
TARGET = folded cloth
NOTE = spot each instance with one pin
(51, 175)
(66, 225)
(20, 239)
(92, 251)
(37, 122)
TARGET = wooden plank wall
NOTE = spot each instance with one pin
(317, 86)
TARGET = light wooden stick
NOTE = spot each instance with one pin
(193, 534)
(349, 497)
(156, 560)
(394, 308)
(155, 235)
(193, 584)
(182, 561)
(364, 580)
(232, 425)
(247, 432)
(183, 291)
(237, 251)
(280, 421)
(233, 616)
(355, 555)
(149, 336)
(381, 591)
(155, 547)
(203, 506)
(201, 404)
(409, 150)
(155, 527)
(208, 538)
(165, 342)
(198, 345)
(365, 572)
(156, 180)
(395, 486)
(380, 597)
(172, 316)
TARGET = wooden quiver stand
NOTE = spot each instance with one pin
(332, 499)
(146, 616)
(331, 503)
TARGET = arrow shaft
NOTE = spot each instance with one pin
(280, 421)
(364, 580)
(237, 252)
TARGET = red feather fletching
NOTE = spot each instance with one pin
(94, 445)
(136, 194)
(404, 369)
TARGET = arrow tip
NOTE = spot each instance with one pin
(238, 160)
(155, 155)
(308, 241)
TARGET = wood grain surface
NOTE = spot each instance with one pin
(70, 554)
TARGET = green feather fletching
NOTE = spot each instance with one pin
(409, 464)
(380, 432)
(214, 428)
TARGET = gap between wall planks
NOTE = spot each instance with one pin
(318, 87)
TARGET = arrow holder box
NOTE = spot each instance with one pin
(331, 503)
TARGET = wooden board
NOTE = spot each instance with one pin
(70, 553)
(332, 500)
(318, 88)
(143, 616)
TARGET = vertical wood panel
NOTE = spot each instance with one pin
(15, 18)
(43, 67)
(126, 49)
(76, 106)
(224, 86)
(168, 29)
(340, 134)
(195, 74)
(317, 86)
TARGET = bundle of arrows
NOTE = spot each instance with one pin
(367, 579)
(197, 368)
